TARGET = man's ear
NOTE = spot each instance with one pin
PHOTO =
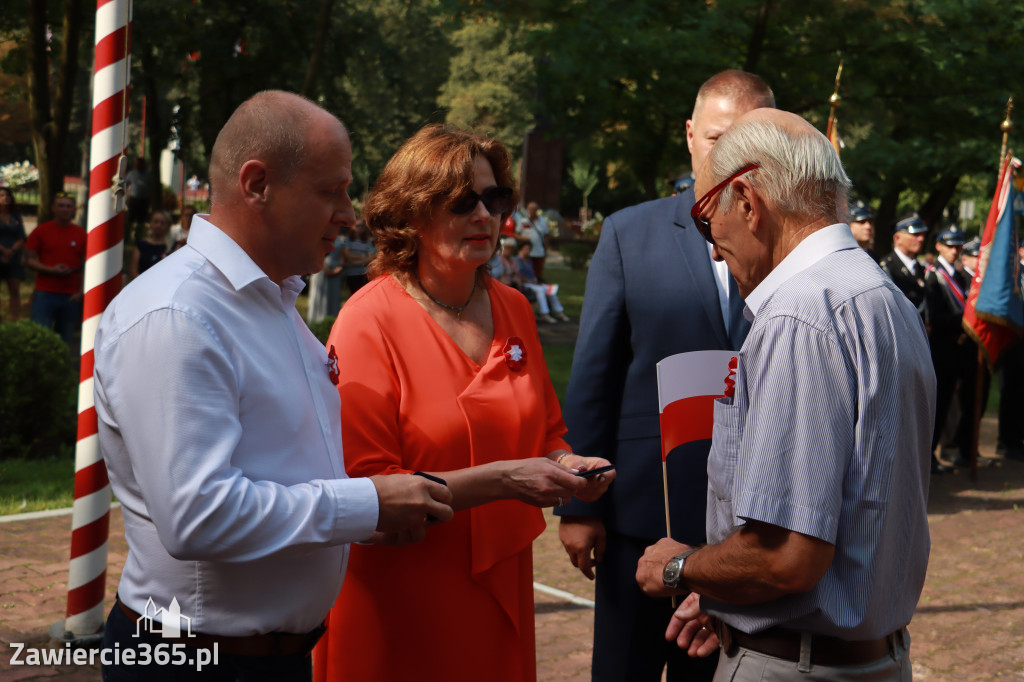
(748, 202)
(254, 183)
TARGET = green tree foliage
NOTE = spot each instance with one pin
(491, 84)
(924, 86)
(384, 67)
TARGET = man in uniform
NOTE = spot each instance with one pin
(945, 294)
(862, 225)
(902, 265)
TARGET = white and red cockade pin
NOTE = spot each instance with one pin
(332, 366)
(515, 354)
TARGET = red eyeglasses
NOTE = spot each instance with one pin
(702, 223)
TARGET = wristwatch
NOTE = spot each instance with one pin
(673, 573)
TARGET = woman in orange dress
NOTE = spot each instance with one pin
(441, 371)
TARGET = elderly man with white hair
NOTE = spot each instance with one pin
(818, 474)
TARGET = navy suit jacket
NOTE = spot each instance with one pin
(650, 293)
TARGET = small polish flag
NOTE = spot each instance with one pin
(688, 385)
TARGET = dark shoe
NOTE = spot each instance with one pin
(940, 468)
(1016, 454)
(961, 461)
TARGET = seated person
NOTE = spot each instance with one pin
(547, 294)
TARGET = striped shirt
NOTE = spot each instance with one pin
(829, 435)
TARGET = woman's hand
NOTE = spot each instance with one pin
(540, 481)
(596, 485)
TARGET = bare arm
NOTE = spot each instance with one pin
(539, 481)
(758, 563)
(32, 261)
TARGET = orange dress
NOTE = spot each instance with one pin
(459, 605)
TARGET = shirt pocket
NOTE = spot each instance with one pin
(725, 448)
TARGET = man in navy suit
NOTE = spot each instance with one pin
(652, 291)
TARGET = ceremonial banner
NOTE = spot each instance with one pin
(994, 313)
(688, 385)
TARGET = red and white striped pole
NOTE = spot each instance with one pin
(104, 261)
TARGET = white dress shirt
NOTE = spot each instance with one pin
(911, 263)
(221, 432)
(721, 270)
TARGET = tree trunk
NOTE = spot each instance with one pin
(934, 206)
(757, 37)
(51, 115)
(320, 39)
(885, 220)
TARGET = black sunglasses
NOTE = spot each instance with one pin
(702, 223)
(497, 200)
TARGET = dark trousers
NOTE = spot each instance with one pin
(58, 312)
(120, 631)
(1011, 397)
(629, 626)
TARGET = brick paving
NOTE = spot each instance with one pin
(969, 624)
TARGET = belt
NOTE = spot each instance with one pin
(786, 644)
(261, 646)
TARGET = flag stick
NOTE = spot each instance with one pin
(835, 100)
(1006, 126)
(668, 520)
(976, 432)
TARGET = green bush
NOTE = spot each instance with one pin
(576, 254)
(322, 329)
(38, 391)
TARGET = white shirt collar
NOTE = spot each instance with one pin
(911, 263)
(946, 265)
(813, 248)
(231, 259)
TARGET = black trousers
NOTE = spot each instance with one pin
(1011, 397)
(629, 626)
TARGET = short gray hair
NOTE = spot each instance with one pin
(800, 173)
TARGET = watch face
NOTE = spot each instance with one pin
(670, 576)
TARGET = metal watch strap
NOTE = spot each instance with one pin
(681, 558)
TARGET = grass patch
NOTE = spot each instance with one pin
(570, 288)
(37, 484)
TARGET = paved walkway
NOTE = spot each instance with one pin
(969, 624)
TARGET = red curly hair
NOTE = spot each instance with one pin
(428, 172)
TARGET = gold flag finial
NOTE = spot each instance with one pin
(1006, 126)
(831, 131)
(835, 99)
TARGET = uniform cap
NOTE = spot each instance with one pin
(859, 213)
(912, 224)
(954, 236)
(973, 247)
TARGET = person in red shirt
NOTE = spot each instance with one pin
(56, 251)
